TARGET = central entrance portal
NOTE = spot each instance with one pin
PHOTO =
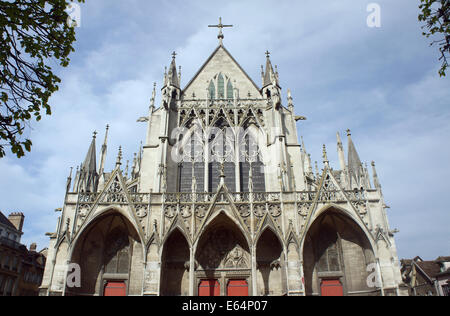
(223, 257)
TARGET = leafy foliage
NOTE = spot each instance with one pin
(33, 33)
(436, 15)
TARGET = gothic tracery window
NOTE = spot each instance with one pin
(221, 87)
(117, 254)
(229, 90)
(192, 165)
(212, 90)
(250, 157)
(222, 145)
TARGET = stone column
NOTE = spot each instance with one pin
(152, 272)
(294, 280)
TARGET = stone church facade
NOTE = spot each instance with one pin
(222, 199)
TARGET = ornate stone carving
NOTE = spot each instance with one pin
(170, 211)
(303, 209)
(222, 250)
(275, 210)
(115, 194)
(200, 211)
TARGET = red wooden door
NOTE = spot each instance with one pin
(115, 289)
(209, 288)
(331, 288)
(237, 288)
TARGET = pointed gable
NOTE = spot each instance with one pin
(221, 62)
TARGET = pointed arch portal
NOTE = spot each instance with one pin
(105, 252)
(336, 255)
(175, 265)
(223, 260)
(270, 264)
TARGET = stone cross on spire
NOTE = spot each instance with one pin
(220, 26)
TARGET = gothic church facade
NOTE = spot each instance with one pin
(222, 199)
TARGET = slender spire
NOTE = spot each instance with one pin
(133, 167)
(69, 180)
(76, 180)
(126, 169)
(172, 76)
(376, 181)
(269, 75)
(290, 101)
(152, 101)
(89, 174)
(309, 164)
(340, 149)
(119, 157)
(104, 151)
(325, 156)
(354, 163)
(262, 75)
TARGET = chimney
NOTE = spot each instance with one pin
(17, 220)
(33, 247)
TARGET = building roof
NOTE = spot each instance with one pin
(443, 259)
(227, 53)
(430, 268)
(5, 221)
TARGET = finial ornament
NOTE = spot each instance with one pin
(325, 157)
(349, 132)
(95, 134)
(220, 26)
(119, 157)
(267, 54)
(174, 55)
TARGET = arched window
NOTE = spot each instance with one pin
(327, 248)
(222, 150)
(221, 87)
(117, 254)
(250, 155)
(229, 90)
(194, 154)
(212, 90)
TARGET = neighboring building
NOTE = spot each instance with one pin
(237, 209)
(33, 265)
(427, 278)
(21, 270)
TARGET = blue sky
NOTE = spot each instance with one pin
(382, 83)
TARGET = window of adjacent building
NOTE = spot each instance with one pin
(6, 262)
(14, 263)
(8, 287)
